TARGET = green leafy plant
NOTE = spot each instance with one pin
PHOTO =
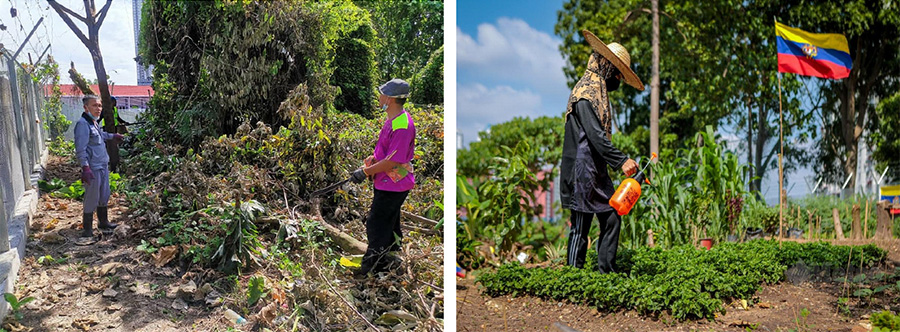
(49, 260)
(256, 289)
(72, 191)
(51, 186)
(16, 304)
(885, 321)
(241, 237)
(146, 247)
(61, 147)
(501, 207)
(684, 281)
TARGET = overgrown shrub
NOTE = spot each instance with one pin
(270, 47)
(427, 86)
(355, 70)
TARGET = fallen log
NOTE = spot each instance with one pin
(345, 241)
(419, 219)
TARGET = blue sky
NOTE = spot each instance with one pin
(116, 38)
(509, 64)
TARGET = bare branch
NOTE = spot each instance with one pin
(68, 11)
(103, 12)
(89, 11)
(59, 10)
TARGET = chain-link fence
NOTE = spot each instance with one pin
(22, 136)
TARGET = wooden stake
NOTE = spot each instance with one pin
(818, 224)
(818, 227)
(809, 224)
(866, 222)
(838, 230)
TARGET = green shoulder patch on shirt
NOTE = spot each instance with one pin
(400, 122)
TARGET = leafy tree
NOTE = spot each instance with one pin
(872, 29)
(886, 135)
(408, 32)
(543, 134)
(718, 67)
(219, 64)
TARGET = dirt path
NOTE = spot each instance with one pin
(779, 308)
(107, 286)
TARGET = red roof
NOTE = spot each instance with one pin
(114, 90)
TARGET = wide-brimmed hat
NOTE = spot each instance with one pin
(618, 55)
(395, 88)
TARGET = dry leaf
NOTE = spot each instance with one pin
(764, 305)
(51, 224)
(164, 255)
(52, 238)
(84, 323)
(269, 313)
(278, 295)
(740, 323)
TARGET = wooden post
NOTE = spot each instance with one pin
(856, 229)
(866, 222)
(884, 227)
(809, 224)
(838, 230)
(818, 225)
(650, 238)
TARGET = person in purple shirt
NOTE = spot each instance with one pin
(392, 175)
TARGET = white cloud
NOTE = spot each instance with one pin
(512, 51)
(116, 38)
(479, 106)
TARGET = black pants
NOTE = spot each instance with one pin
(383, 225)
(607, 242)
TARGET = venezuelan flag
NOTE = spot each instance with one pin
(824, 55)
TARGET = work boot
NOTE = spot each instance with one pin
(103, 220)
(388, 262)
(87, 224)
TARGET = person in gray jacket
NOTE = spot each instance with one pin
(90, 150)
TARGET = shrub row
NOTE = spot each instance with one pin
(683, 281)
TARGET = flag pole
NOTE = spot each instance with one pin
(780, 157)
(781, 197)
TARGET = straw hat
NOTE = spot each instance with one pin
(618, 55)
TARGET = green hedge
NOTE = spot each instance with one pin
(428, 84)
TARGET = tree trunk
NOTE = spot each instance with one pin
(885, 224)
(866, 222)
(809, 224)
(857, 229)
(762, 134)
(838, 229)
(750, 172)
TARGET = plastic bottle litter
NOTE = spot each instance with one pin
(234, 318)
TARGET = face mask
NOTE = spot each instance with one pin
(612, 84)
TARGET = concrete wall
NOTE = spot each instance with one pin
(22, 154)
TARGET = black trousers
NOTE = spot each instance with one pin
(607, 242)
(383, 225)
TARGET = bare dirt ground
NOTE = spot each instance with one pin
(777, 308)
(107, 286)
(113, 286)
